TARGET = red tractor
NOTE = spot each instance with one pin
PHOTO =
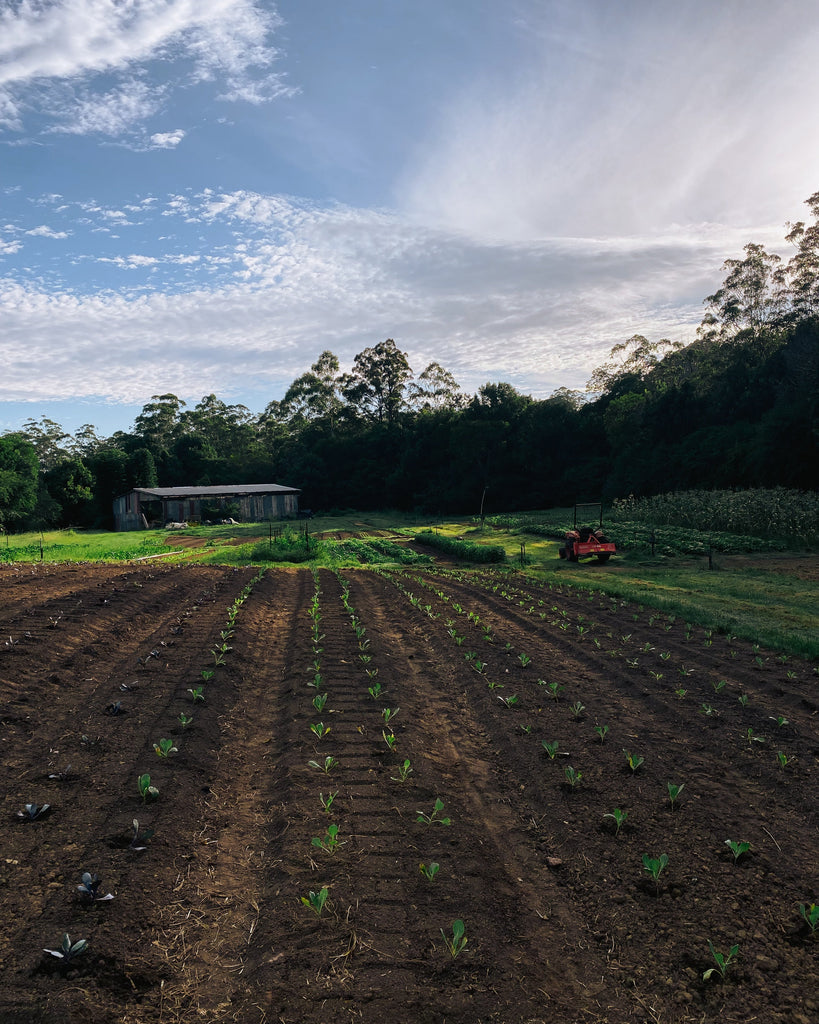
(586, 541)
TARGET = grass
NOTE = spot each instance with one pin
(774, 609)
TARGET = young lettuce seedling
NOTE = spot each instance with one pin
(327, 767)
(655, 866)
(330, 843)
(197, 694)
(404, 771)
(327, 801)
(455, 944)
(434, 818)
(146, 790)
(319, 701)
(634, 761)
(388, 714)
(783, 760)
(577, 709)
(315, 901)
(619, 817)
(139, 840)
(572, 777)
(810, 914)
(374, 691)
(185, 720)
(89, 889)
(429, 871)
(551, 748)
(68, 950)
(738, 849)
(674, 792)
(164, 748)
(319, 729)
(601, 731)
(31, 812)
(389, 739)
(723, 960)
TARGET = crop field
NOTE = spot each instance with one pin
(410, 795)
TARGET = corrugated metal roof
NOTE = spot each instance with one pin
(223, 490)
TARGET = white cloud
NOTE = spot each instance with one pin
(43, 231)
(299, 279)
(629, 118)
(167, 140)
(48, 49)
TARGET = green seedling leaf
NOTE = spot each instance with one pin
(315, 901)
(602, 731)
(435, 817)
(572, 777)
(429, 871)
(185, 720)
(164, 748)
(810, 914)
(674, 792)
(738, 849)
(404, 771)
(319, 729)
(146, 790)
(328, 765)
(327, 801)
(197, 694)
(655, 866)
(456, 943)
(68, 950)
(551, 748)
(619, 817)
(722, 960)
(633, 760)
(330, 843)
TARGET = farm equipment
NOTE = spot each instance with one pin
(587, 541)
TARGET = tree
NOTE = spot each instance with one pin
(434, 389)
(19, 470)
(803, 267)
(376, 387)
(70, 483)
(629, 363)
(158, 424)
(315, 396)
(752, 296)
(49, 440)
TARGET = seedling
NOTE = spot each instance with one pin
(327, 767)
(139, 840)
(743, 699)
(619, 817)
(319, 701)
(526, 729)
(674, 792)
(197, 694)
(164, 748)
(62, 776)
(551, 748)
(680, 692)
(780, 720)
(509, 702)
(319, 729)
(330, 843)
(708, 710)
(434, 818)
(751, 736)
(316, 900)
(327, 801)
(783, 759)
(374, 691)
(554, 690)
(114, 709)
(31, 812)
(404, 771)
(572, 777)
(429, 871)
(810, 913)
(68, 950)
(720, 686)
(89, 889)
(316, 681)
(723, 961)
(602, 732)
(633, 760)
(455, 944)
(208, 674)
(738, 849)
(577, 709)
(524, 660)
(389, 739)
(655, 867)
(146, 790)
(388, 714)
(185, 720)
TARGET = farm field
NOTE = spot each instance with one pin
(454, 680)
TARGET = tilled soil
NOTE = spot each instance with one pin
(562, 921)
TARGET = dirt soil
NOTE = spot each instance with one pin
(563, 923)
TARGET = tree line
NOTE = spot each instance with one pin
(738, 407)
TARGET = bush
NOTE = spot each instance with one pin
(464, 551)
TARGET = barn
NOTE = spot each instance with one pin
(144, 507)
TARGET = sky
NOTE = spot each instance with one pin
(201, 196)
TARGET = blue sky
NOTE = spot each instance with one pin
(201, 196)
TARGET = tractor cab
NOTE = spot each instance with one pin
(587, 541)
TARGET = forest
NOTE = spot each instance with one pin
(736, 408)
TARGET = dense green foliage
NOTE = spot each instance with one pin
(463, 550)
(736, 409)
